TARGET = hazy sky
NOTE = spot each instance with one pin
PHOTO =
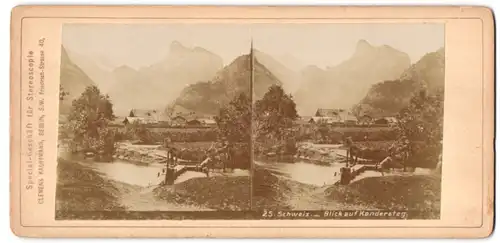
(138, 45)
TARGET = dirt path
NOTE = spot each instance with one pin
(138, 198)
(144, 199)
(309, 197)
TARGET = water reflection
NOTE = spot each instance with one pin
(321, 175)
(130, 173)
(143, 175)
(307, 173)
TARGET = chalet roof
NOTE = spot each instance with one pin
(150, 114)
(207, 121)
(144, 112)
(327, 112)
(179, 117)
(194, 121)
(347, 116)
(327, 120)
(390, 119)
(141, 120)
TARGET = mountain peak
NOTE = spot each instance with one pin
(124, 70)
(366, 50)
(311, 68)
(207, 97)
(363, 45)
(177, 46)
(124, 67)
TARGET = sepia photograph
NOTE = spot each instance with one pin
(348, 117)
(250, 118)
(251, 122)
(154, 118)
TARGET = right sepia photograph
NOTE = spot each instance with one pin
(347, 120)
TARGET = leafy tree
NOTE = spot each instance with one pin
(420, 128)
(234, 129)
(88, 119)
(234, 120)
(275, 113)
(141, 132)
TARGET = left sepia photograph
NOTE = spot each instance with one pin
(154, 122)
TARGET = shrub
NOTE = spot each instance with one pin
(154, 136)
(326, 134)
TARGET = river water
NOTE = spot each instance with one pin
(146, 175)
(303, 172)
(321, 175)
(139, 174)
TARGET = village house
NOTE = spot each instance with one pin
(334, 116)
(365, 120)
(389, 120)
(144, 113)
(143, 116)
(207, 122)
(324, 120)
(178, 121)
(326, 112)
(347, 117)
(381, 121)
(138, 120)
(392, 120)
(194, 122)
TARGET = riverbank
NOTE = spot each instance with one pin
(146, 154)
(322, 154)
(275, 191)
(155, 153)
(84, 191)
(270, 191)
(225, 193)
(330, 153)
(419, 194)
(81, 188)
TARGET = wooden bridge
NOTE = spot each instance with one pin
(360, 168)
(172, 173)
(174, 166)
(352, 172)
